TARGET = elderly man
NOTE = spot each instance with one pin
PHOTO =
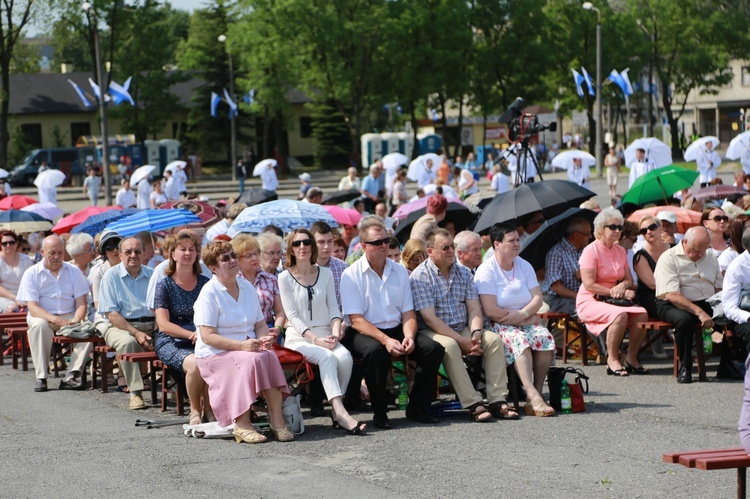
(131, 324)
(708, 162)
(669, 232)
(448, 303)
(437, 206)
(563, 274)
(370, 188)
(378, 302)
(55, 293)
(314, 195)
(639, 167)
(382, 212)
(468, 250)
(686, 276)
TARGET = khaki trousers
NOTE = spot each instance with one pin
(494, 367)
(124, 342)
(40, 344)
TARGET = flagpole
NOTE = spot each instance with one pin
(599, 114)
(233, 119)
(88, 8)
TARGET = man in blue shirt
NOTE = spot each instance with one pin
(370, 188)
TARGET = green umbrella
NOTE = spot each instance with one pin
(659, 184)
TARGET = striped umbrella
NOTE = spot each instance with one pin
(66, 224)
(152, 221)
(208, 214)
(96, 223)
(23, 221)
(720, 191)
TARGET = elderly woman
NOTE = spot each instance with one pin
(173, 307)
(511, 296)
(265, 284)
(270, 252)
(717, 223)
(234, 350)
(80, 247)
(413, 254)
(12, 266)
(309, 297)
(605, 273)
(736, 229)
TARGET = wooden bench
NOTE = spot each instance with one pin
(100, 361)
(66, 341)
(178, 384)
(582, 335)
(19, 342)
(7, 321)
(140, 357)
(717, 459)
(656, 325)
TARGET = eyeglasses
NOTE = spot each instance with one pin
(587, 234)
(614, 227)
(650, 228)
(110, 248)
(377, 242)
(226, 257)
(447, 247)
(129, 252)
(306, 242)
(274, 253)
(8, 243)
(720, 218)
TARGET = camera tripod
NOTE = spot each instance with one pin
(523, 156)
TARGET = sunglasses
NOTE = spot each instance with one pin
(614, 227)
(377, 242)
(306, 242)
(129, 252)
(447, 247)
(650, 228)
(720, 218)
(110, 248)
(8, 243)
(226, 257)
(25, 250)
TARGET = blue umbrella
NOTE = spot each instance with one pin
(96, 224)
(151, 221)
(23, 221)
(283, 213)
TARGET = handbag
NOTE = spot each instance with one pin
(555, 377)
(745, 302)
(618, 302)
(303, 373)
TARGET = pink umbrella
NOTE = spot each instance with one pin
(343, 216)
(403, 211)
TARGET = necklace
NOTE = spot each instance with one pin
(512, 275)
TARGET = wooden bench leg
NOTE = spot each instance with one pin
(741, 483)
(24, 349)
(700, 354)
(566, 339)
(584, 343)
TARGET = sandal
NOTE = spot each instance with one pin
(248, 436)
(479, 414)
(195, 418)
(544, 412)
(631, 369)
(617, 372)
(282, 434)
(501, 410)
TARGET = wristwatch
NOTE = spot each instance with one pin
(525, 313)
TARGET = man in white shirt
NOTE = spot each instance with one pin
(382, 212)
(427, 175)
(468, 250)
(125, 196)
(55, 293)
(172, 188)
(181, 178)
(708, 162)
(377, 299)
(269, 182)
(578, 174)
(639, 167)
(144, 195)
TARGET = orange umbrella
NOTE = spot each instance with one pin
(685, 218)
(16, 202)
(66, 224)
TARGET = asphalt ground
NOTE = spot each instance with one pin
(74, 444)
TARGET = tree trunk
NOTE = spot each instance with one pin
(4, 135)
(415, 146)
(672, 119)
(457, 149)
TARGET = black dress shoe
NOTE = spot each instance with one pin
(420, 416)
(382, 422)
(71, 384)
(41, 385)
(685, 376)
(318, 411)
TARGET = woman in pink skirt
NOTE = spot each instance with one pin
(605, 272)
(234, 349)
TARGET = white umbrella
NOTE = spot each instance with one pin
(49, 211)
(565, 159)
(657, 152)
(699, 147)
(4, 173)
(420, 163)
(258, 170)
(393, 161)
(174, 165)
(141, 173)
(737, 146)
(49, 179)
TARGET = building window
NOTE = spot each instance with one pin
(305, 127)
(78, 130)
(33, 134)
(745, 76)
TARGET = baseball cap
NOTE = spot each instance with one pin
(306, 177)
(667, 216)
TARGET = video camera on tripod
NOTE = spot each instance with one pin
(521, 127)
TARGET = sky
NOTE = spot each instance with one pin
(188, 5)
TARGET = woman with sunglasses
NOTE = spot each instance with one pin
(605, 273)
(414, 253)
(309, 298)
(736, 228)
(717, 223)
(13, 264)
(234, 349)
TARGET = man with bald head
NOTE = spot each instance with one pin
(686, 276)
(55, 293)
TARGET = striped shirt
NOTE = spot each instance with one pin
(121, 293)
(447, 296)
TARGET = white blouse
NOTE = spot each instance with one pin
(10, 277)
(307, 310)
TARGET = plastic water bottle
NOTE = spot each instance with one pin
(708, 343)
(403, 397)
(565, 401)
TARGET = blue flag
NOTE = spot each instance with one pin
(119, 93)
(232, 104)
(589, 82)
(579, 81)
(215, 99)
(249, 97)
(80, 93)
(434, 115)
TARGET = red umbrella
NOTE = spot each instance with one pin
(343, 216)
(16, 202)
(208, 214)
(66, 224)
(720, 191)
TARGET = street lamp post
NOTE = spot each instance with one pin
(89, 9)
(233, 119)
(599, 138)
